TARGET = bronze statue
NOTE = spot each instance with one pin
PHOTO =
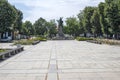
(60, 22)
(60, 27)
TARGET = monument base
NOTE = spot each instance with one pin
(63, 37)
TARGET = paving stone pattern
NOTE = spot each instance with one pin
(63, 60)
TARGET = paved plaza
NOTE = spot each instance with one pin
(63, 60)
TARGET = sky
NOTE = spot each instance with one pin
(51, 9)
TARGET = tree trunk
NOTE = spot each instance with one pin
(13, 35)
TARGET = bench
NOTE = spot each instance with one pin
(9, 53)
(93, 41)
(35, 42)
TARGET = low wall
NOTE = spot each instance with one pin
(10, 53)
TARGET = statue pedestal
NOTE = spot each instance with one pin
(62, 37)
(60, 32)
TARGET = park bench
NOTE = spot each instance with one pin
(9, 53)
(35, 42)
(93, 41)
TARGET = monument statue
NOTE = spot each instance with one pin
(60, 35)
(60, 27)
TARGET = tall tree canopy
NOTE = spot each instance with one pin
(18, 21)
(27, 28)
(104, 19)
(51, 28)
(7, 16)
(88, 12)
(40, 26)
(113, 15)
(73, 26)
(81, 22)
(95, 21)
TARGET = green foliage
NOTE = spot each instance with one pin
(10, 18)
(113, 16)
(72, 26)
(104, 19)
(83, 38)
(27, 28)
(18, 22)
(81, 22)
(51, 28)
(24, 42)
(29, 41)
(40, 39)
(108, 41)
(88, 12)
(7, 16)
(95, 21)
(40, 26)
(66, 30)
(2, 50)
(101, 20)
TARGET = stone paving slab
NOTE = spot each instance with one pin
(63, 60)
(87, 61)
(31, 64)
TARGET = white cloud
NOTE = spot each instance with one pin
(52, 9)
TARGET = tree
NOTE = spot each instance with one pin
(73, 26)
(7, 16)
(18, 21)
(51, 28)
(95, 21)
(103, 19)
(88, 12)
(17, 25)
(40, 26)
(113, 16)
(66, 30)
(27, 28)
(81, 22)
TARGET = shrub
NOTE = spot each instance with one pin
(29, 41)
(83, 38)
(108, 41)
(24, 42)
(40, 39)
(2, 50)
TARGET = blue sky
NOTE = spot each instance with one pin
(51, 9)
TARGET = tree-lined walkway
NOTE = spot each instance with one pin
(63, 60)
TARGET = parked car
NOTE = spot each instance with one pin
(6, 39)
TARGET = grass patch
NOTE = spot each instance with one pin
(2, 50)
(40, 39)
(29, 41)
(83, 38)
(24, 42)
